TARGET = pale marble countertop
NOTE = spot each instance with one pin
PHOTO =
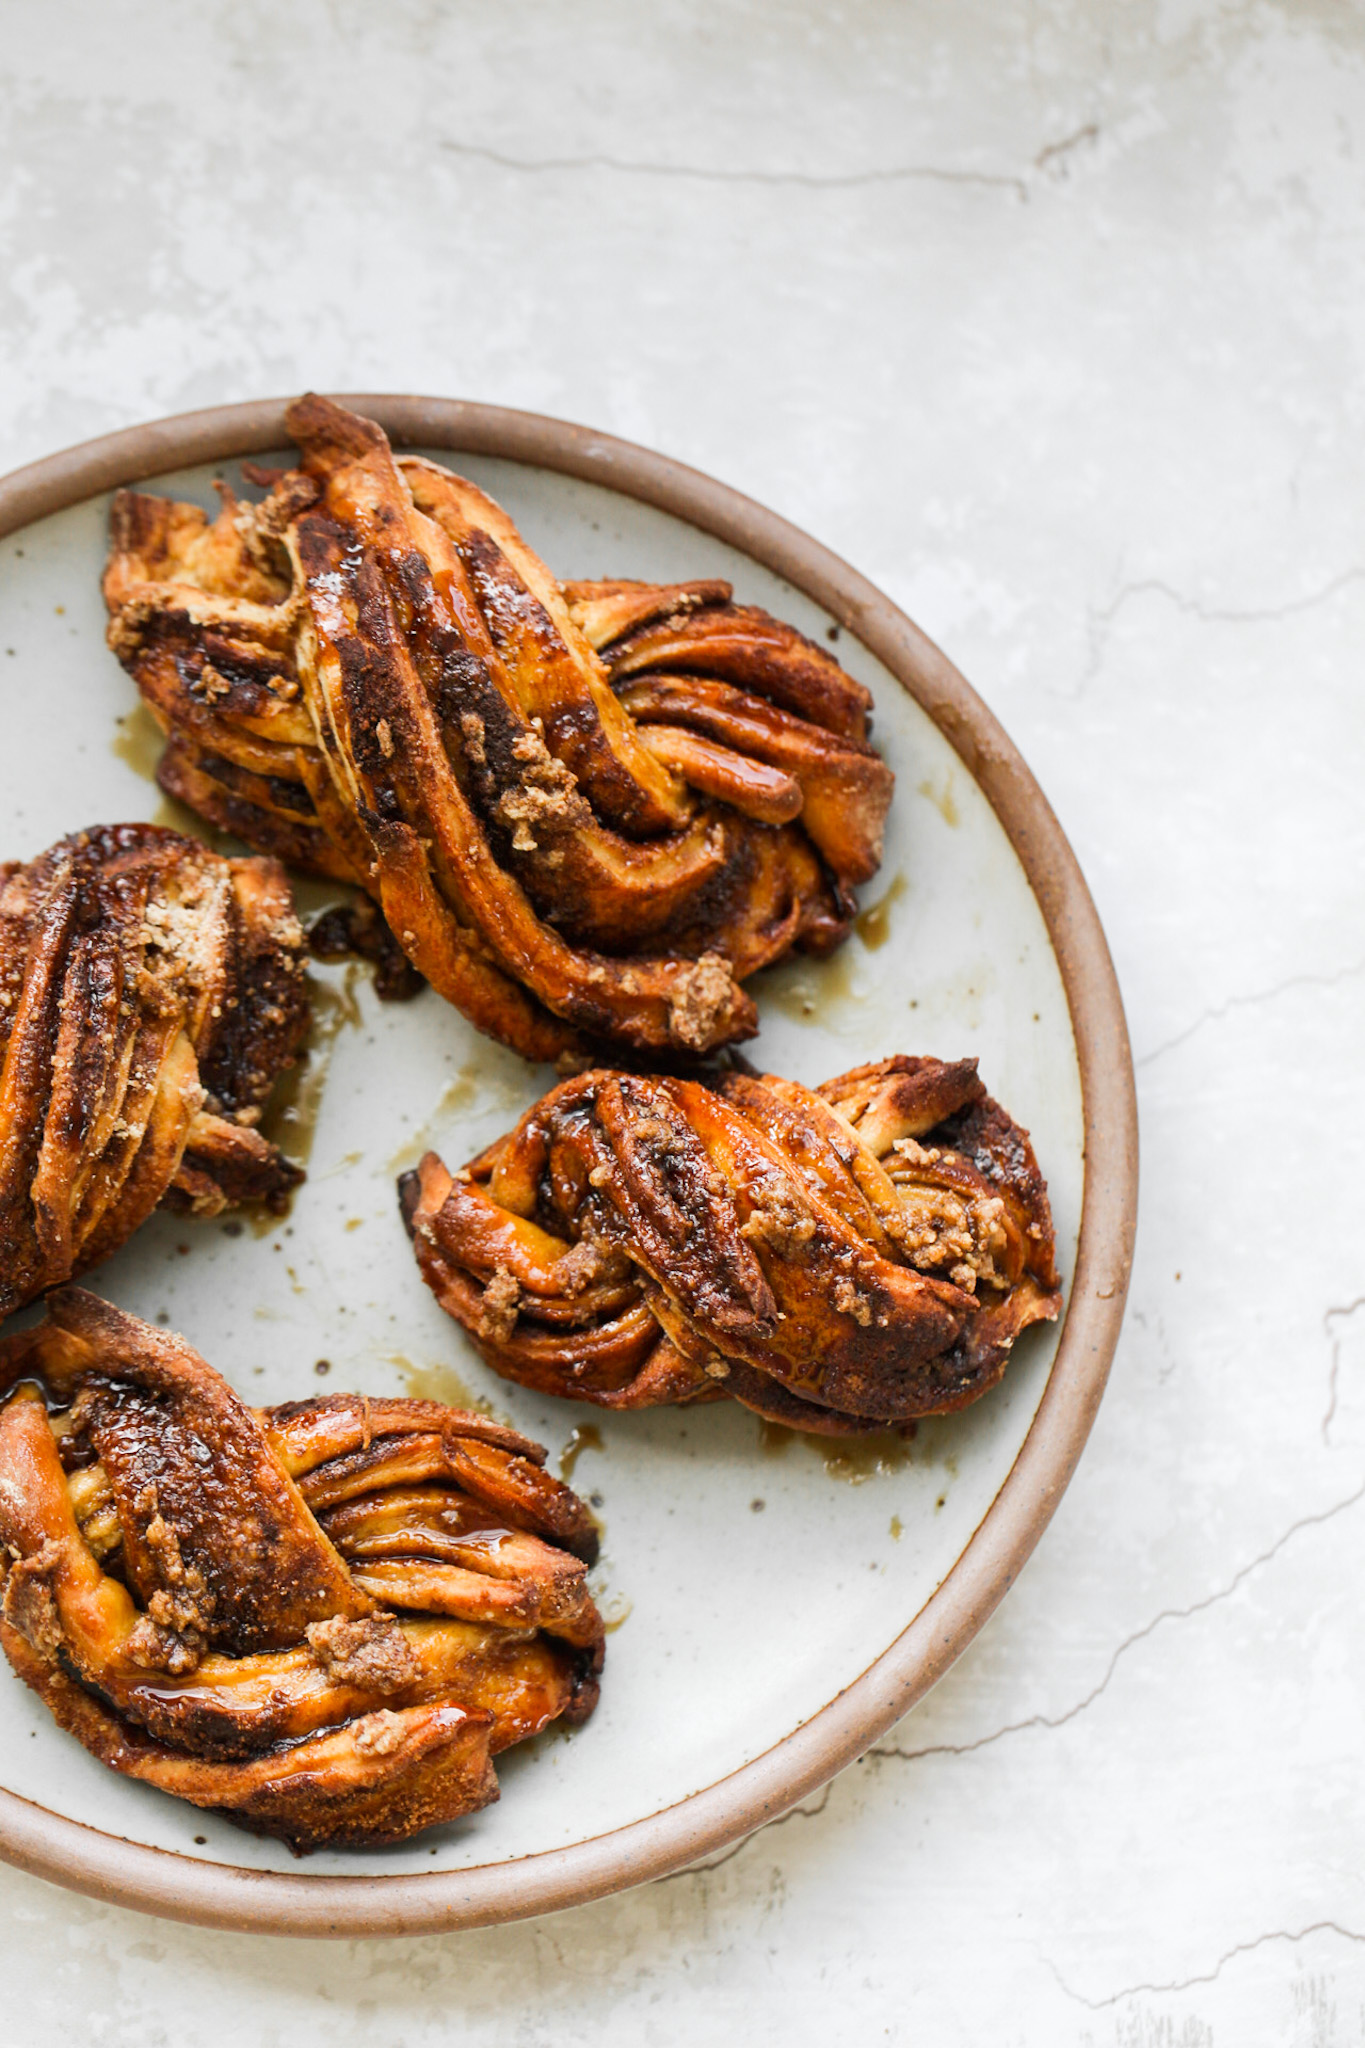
(1050, 316)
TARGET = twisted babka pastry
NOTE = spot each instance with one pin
(587, 811)
(321, 1619)
(838, 1259)
(150, 994)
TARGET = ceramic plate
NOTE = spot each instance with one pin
(775, 1602)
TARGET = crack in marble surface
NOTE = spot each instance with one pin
(1054, 1721)
(1331, 1315)
(1241, 1948)
(1249, 1001)
(793, 1813)
(1051, 160)
(1157, 1326)
(1054, 155)
(815, 181)
(1100, 619)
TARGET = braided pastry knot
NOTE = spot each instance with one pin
(587, 811)
(838, 1259)
(150, 993)
(322, 1619)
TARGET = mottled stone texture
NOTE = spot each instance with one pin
(1049, 316)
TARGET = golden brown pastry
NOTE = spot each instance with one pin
(321, 1619)
(837, 1259)
(150, 994)
(588, 812)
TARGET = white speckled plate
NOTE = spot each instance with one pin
(762, 1587)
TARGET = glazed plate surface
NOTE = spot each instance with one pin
(752, 1577)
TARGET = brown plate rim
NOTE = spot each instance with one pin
(179, 1887)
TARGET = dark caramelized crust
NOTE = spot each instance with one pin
(838, 1259)
(323, 1619)
(587, 812)
(694, 630)
(150, 994)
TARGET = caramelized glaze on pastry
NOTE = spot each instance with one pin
(150, 994)
(838, 1259)
(587, 811)
(323, 1619)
